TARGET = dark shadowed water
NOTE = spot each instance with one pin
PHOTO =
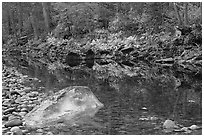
(132, 105)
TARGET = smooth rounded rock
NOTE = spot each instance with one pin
(15, 129)
(13, 122)
(194, 127)
(168, 124)
(13, 117)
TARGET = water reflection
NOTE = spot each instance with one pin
(124, 87)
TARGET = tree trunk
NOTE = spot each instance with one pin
(186, 14)
(20, 18)
(177, 14)
(46, 16)
(9, 23)
(33, 22)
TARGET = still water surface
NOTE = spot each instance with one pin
(128, 106)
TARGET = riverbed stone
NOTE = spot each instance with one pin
(15, 113)
(25, 131)
(15, 129)
(38, 133)
(24, 106)
(13, 117)
(9, 110)
(13, 122)
(67, 105)
(40, 130)
(22, 114)
(24, 110)
(49, 133)
(5, 118)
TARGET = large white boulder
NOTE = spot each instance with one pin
(67, 106)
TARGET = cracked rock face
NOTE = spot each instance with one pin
(67, 106)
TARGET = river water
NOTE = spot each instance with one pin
(134, 101)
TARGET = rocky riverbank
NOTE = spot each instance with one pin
(17, 101)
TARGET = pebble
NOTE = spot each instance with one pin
(39, 134)
(13, 122)
(49, 133)
(7, 100)
(23, 106)
(39, 130)
(14, 105)
(194, 127)
(15, 113)
(18, 100)
(36, 102)
(24, 110)
(26, 89)
(24, 131)
(30, 102)
(8, 133)
(23, 93)
(22, 114)
(4, 108)
(5, 118)
(9, 110)
(13, 117)
(15, 129)
(33, 94)
(5, 103)
(169, 124)
(34, 98)
(4, 130)
(31, 106)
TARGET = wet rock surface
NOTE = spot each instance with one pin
(67, 104)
